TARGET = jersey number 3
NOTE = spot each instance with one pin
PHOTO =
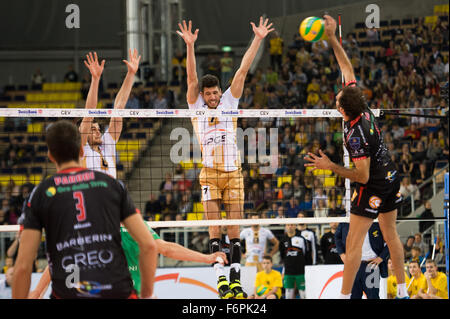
(80, 206)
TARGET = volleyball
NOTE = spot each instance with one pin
(312, 29)
(261, 290)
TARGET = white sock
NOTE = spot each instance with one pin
(302, 294)
(290, 293)
(236, 266)
(402, 291)
(220, 270)
(341, 296)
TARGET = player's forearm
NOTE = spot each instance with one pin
(175, 251)
(352, 174)
(191, 66)
(21, 281)
(249, 56)
(92, 97)
(42, 285)
(12, 249)
(147, 265)
(124, 93)
(342, 59)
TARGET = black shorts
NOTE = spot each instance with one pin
(371, 200)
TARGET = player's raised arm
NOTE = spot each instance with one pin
(339, 52)
(96, 71)
(115, 125)
(261, 31)
(191, 69)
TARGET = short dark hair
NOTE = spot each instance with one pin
(414, 262)
(353, 102)
(63, 141)
(268, 257)
(209, 81)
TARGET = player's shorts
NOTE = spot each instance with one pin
(369, 201)
(227, 186)
(292, 281)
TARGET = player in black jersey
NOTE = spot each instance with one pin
(81, 211)
(377, 184)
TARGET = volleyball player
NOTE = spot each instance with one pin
(100, 149)
(220, 178)
(131, 249)
(81, 211)
(377, 181)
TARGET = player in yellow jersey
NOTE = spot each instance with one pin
(417, 281)
(100, 149)
(221, 178)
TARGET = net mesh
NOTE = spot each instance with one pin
(158, 156)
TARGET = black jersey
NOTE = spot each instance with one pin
(329, 250)
(363, 139)
(80, 211)
(295, 253)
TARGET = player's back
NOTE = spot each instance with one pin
(81, 211)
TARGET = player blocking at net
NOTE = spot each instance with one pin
(377, 181)
(100, 149)
(221, 178)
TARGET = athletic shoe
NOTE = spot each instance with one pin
(406, 297)
(238, 292)
(224, 289)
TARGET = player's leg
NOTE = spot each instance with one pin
(235, 211)
(359, 226)
(388, 227)
(300, 281)
(233, 198)
(212, 212)
(289, 286)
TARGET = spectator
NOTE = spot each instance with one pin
(407, 247)
(406, 188)
(186, 205)
(419, 154)
(152, 206)
(417, 280)
(436, 283)
(420, 176)
(179, 67)
(268, 282)
(37, 78)
(246, 100)
(167, 185)
(169, 207)
(419, 243)
(416, 255)
(328, 246)
(322, 209)
(425, 225)
(133, 102)
(276, 51)
(71, 75)
(306, 204)
(434, 152)
(226, 63)
(293, 207)
(273, 211)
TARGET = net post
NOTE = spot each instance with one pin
(446, 224)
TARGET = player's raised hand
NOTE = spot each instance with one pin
(133, 63)
(330, 26)
(186, 32)
(92, 64)
(263, 29)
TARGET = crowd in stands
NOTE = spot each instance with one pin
(400, 68)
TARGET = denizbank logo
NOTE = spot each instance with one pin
(97, 112)
(165, 113)
(230, 112)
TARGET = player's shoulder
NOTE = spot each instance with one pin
(198, 103)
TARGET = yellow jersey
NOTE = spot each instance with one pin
(270, 280)
(416, 285)
(392, 285)
(440, 283)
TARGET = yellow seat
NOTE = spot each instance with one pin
(430, 19)
(194, 216)
(19, 179)
(35, 128)
(329, 181)
(198, 208)
(187, 165)
(284, 179)
(126, 157)
(35, 179)
(4, 180)
(322, 172)
(223, 214)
